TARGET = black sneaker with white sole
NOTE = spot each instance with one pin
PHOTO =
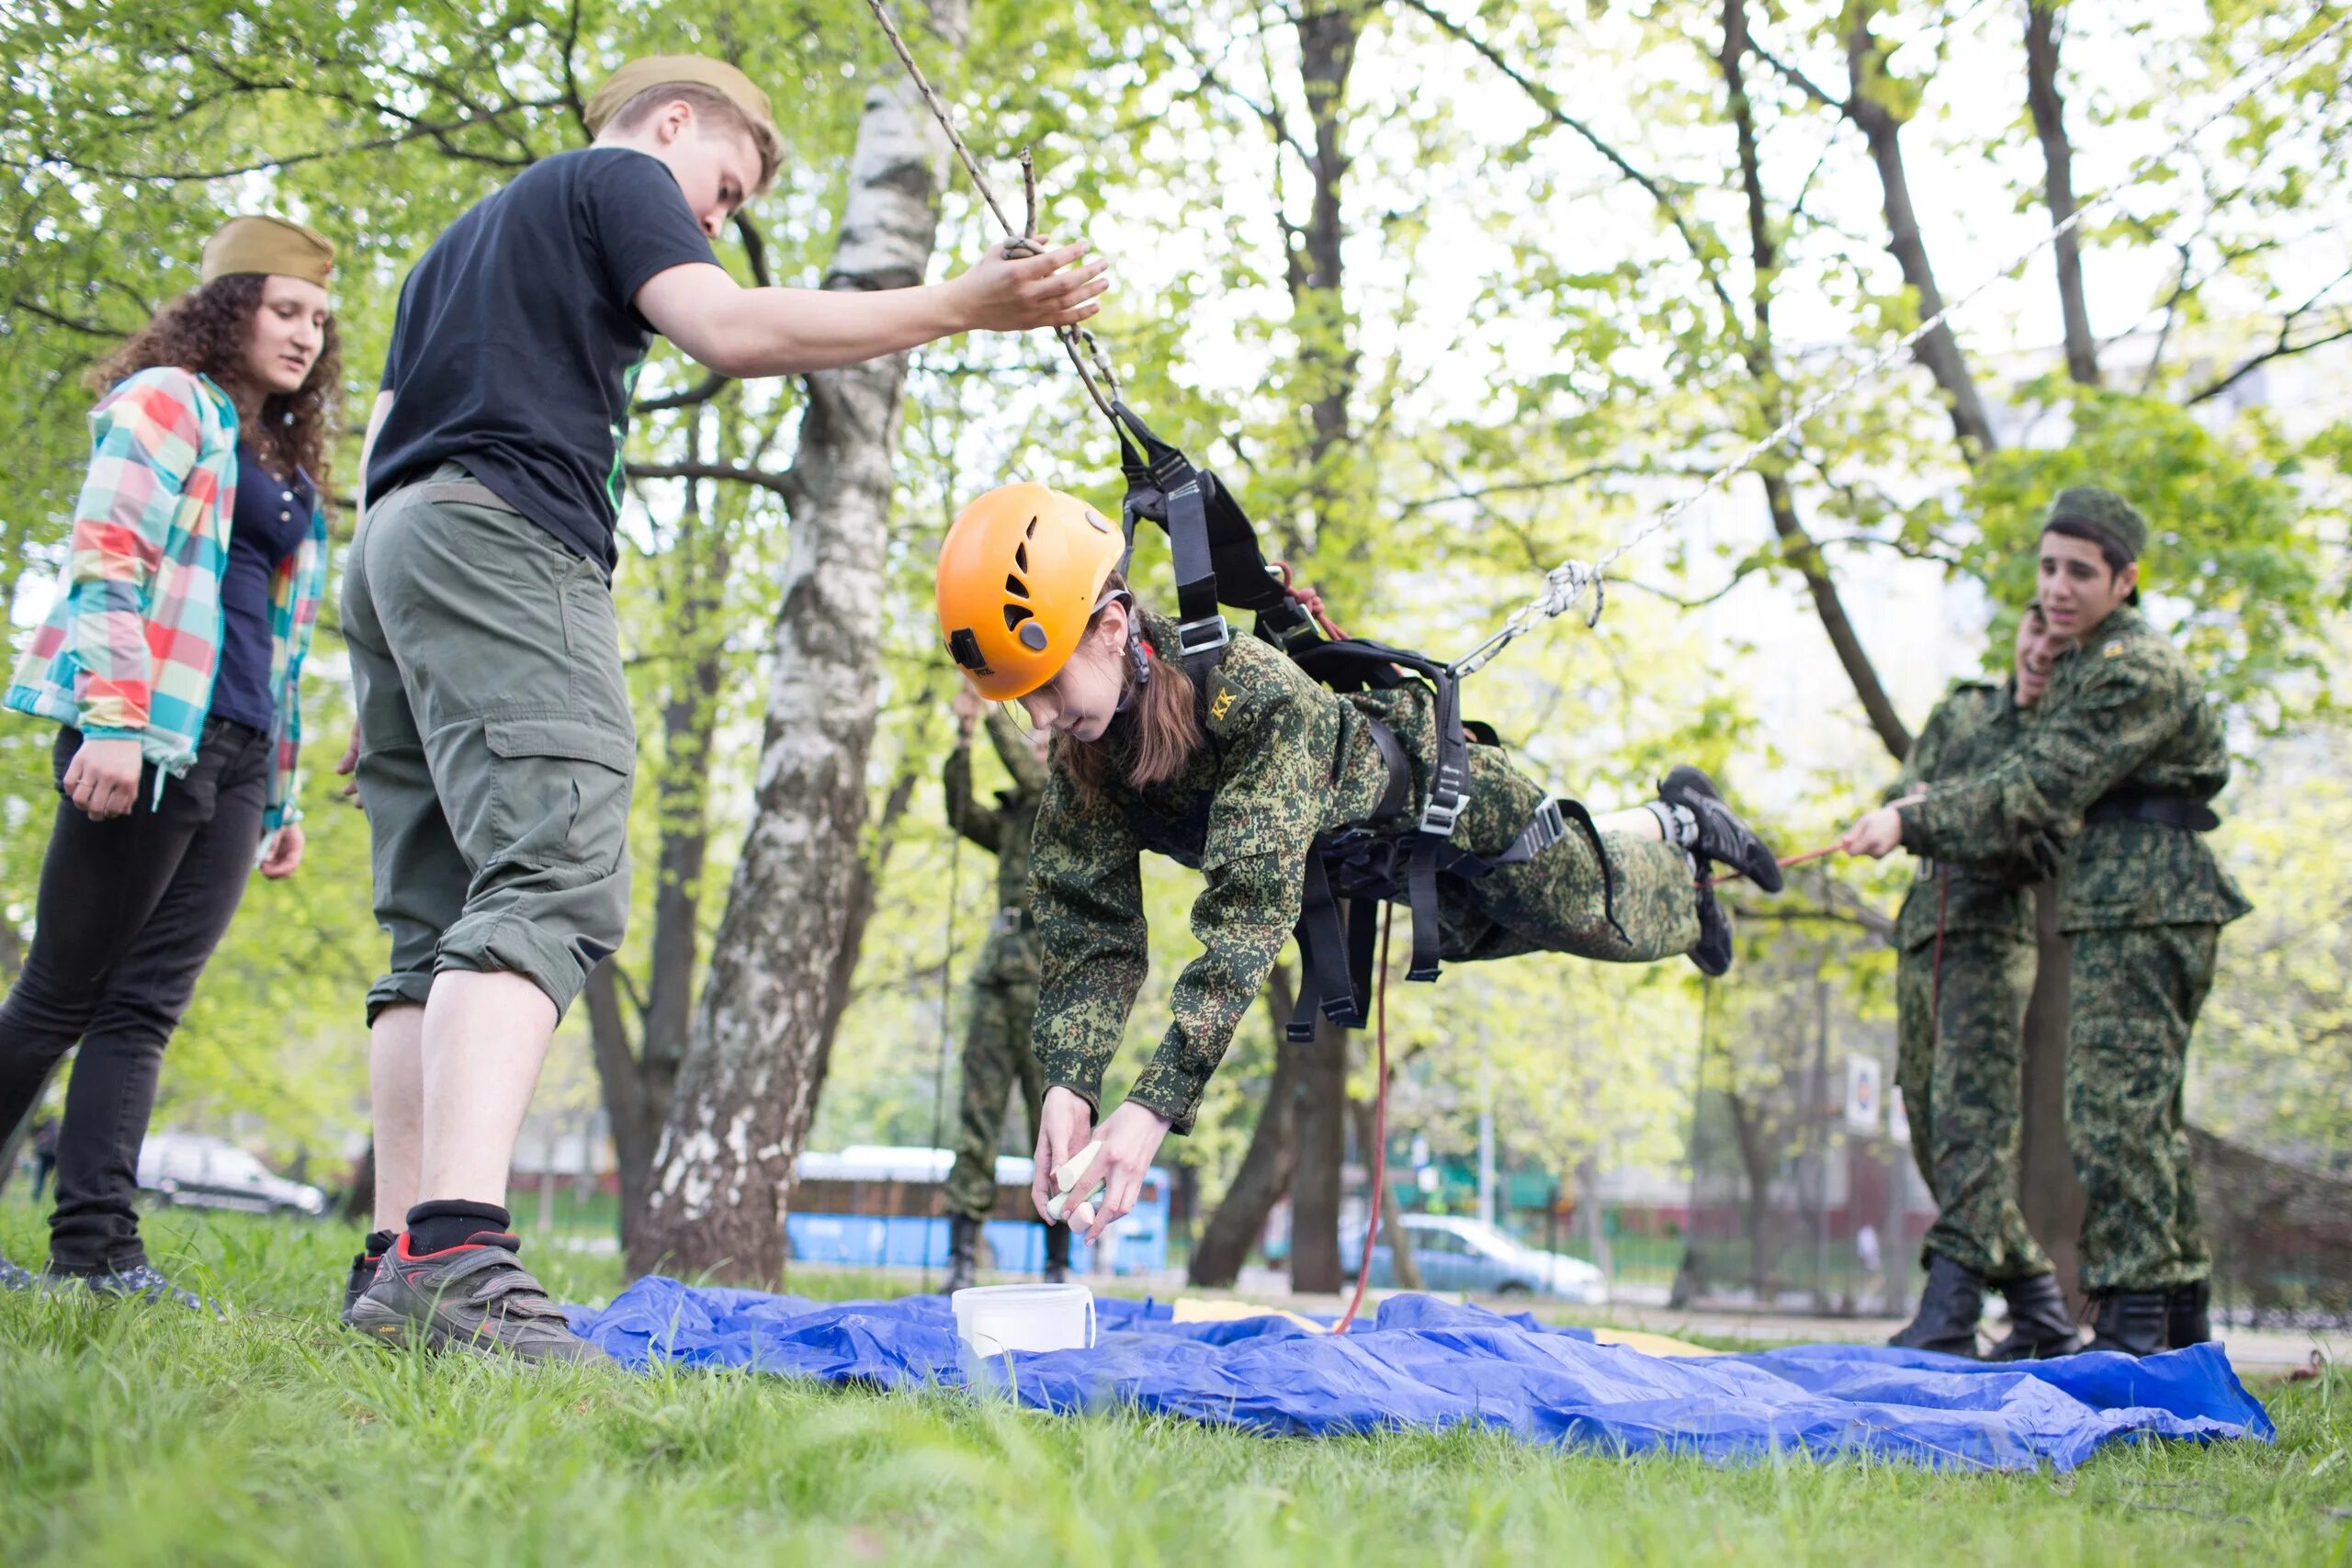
(1722, 837)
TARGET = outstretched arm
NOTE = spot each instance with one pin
(746, 332)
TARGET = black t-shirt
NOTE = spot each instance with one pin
(519, 341)
(268, 523)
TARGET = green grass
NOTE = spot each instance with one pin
(131, 1436)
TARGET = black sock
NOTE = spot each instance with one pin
(378, 1244)
(452, 1221)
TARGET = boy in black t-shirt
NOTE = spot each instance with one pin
(495, 750)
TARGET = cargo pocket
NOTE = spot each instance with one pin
(559, 791)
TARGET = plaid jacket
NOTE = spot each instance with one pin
(131, 646)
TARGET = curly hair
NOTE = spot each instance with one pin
(206, 331)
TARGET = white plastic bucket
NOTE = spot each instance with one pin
(993, 1319)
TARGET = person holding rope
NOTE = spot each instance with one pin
(495, 751)
(997, 1054)
(2123, 758)
(1964, 969)
(170, 660)
(1240, 777)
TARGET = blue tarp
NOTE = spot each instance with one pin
(1430, 1363)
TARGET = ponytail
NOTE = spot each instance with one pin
(1153, 740)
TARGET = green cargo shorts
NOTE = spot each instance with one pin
(497, 750)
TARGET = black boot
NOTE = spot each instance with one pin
(1713, 953)
(2189, 1314)
(2132, 1322)
(1720, 837)
(1057, 1254)
(2039, 1324)
(962, 1248)
(1949, 1309)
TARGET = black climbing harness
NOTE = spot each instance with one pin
(1350, 873)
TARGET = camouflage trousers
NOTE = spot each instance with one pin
(1960, 1061)
(2133, 1000)
(1553, 904)
(997, 1057)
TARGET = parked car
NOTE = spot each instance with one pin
(1458, 1254)
(188, 1171)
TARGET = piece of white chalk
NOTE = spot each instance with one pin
(1067, 1177)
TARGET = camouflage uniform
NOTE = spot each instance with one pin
(2144, 902)
(1286, 759)
(1960, 1038)
(1004, 983)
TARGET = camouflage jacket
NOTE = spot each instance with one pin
(1969, 732)
(2124, 711)
(1285, 759)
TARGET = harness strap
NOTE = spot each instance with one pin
(1324, 980)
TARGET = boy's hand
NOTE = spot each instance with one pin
(1010, 294)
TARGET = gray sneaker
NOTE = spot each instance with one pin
(13, 1278)
(477, 1297)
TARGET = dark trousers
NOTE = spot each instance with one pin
(130, 912)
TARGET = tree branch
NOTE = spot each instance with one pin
(781, 485)
(88, 329)
(1545, 100)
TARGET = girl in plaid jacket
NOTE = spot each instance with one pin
(171, 661)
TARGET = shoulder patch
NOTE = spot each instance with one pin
(2112, 650)
(1223, 695)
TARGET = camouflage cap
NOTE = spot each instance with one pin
(271, 245)
(2104, 512)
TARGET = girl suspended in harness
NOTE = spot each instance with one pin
(1284, 796)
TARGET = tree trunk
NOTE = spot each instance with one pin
(2058, 183)
(640, 1077)
(747, 1087)
(1322, 1136)
(1797, 546)
(1266, 1166)
(1938, 351)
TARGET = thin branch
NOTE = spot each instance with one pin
(2282, 349)
(88, 329)
(779, 484)
(701, 393)
(437, 133)
(1544, 99)
(1795, 77)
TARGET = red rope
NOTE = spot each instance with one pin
(1783, 863)
(1376, 1158)
(1311, 602)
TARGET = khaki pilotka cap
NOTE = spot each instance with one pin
(666, 70)
(271, 245)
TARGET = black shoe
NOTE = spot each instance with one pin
(1949, 1309)
(2039, 1324)
(13, 1278)
(1057, 1254)
(1722, 838)
(364, 1268)
(1712, 952)
(144, 1283)
(2189, 1314)
(2132, 1322)
(963, 1249)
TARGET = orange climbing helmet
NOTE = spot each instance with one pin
(1020, 576)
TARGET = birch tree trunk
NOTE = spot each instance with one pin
(755, 1057)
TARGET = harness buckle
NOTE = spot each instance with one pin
(1207, 634)
(1547, 828)
(1449, 795)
